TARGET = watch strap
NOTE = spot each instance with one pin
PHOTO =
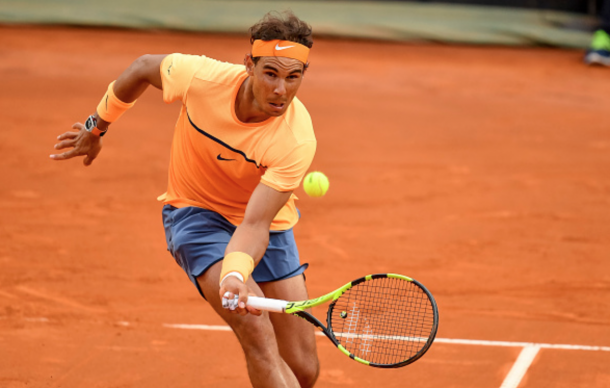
(96, 131)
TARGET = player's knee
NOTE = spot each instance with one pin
(307, 373)
(303, 361)
(256, 336)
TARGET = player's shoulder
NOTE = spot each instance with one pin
(205, 68)
(213, 70)
(298, 121)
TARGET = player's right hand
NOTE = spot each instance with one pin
(232, 287)
(82, 143)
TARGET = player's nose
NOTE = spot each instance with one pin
(280, 88)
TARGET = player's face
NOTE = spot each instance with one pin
(275, 81)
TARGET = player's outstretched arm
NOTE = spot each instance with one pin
(127, 88)
(251, 238)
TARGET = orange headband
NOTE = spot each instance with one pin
(280, 48)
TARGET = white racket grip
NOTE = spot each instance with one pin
(273, 305)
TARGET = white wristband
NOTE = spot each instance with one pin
(234, 273)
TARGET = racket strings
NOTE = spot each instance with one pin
(384, 321)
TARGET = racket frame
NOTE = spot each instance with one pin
(298, 309)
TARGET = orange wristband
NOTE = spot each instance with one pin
(237, 262)
(111, 108)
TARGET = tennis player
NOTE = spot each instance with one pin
(241, 145)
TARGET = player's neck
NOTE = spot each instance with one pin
(246, 107)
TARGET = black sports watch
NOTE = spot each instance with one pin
(91, 126)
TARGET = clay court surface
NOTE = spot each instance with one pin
(482, 172)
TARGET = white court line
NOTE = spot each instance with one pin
(522, 344)
(197, 327)
(512, 379)
(520, 367)
(437, 340)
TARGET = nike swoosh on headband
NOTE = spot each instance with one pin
(277, 47)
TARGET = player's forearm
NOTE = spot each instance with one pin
(129, 87)
(250, 239)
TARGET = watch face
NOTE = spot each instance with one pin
(90, 123)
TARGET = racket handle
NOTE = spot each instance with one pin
(267, 304)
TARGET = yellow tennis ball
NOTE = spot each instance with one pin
(315, 184)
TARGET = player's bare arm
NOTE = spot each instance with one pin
(252, 237)
(130, 85)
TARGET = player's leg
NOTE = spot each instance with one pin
(197, 239)
(280, 276)
(295, 336)
(266, 367)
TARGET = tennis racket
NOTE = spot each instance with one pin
(381, 320)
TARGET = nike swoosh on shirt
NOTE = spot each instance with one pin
(278, 47)
(221, 158)
(242, 153)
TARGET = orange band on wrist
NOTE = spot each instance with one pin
(111, 108)
(280, 48)
(237, 262)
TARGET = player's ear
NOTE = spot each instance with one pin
(249, 63)
(305, 67)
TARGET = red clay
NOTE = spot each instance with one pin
(482, 172)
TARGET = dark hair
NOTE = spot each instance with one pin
(283, 26)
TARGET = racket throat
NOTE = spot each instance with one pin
(314, 321)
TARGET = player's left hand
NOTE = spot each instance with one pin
(83, 143)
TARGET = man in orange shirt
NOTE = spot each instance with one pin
(242, 144)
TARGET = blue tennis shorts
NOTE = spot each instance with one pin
(197, 238)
